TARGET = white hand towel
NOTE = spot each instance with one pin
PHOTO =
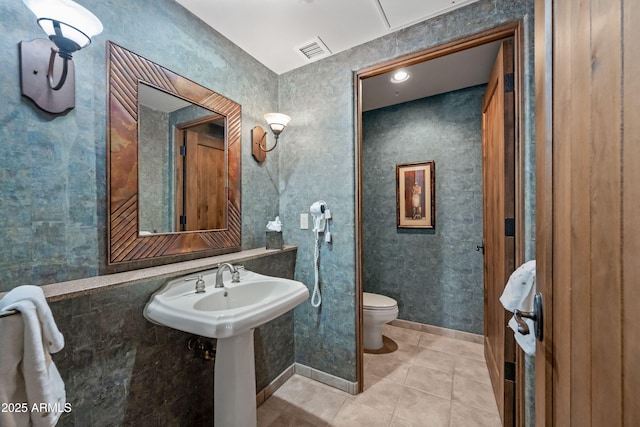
(519, 294)
(28, 373)
(527, 342)
(518, 291)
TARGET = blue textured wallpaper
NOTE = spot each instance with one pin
(435, 275)
(52, 185)
(317, 162)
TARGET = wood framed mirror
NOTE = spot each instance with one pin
(166, 203)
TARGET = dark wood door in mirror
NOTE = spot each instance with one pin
(126, 71)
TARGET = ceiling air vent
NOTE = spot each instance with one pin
(314, 49)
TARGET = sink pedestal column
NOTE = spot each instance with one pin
(234, 384)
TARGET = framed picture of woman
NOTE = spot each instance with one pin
(415, 194)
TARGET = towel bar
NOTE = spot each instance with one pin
(9, 313)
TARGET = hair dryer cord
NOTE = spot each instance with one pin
(316, 297)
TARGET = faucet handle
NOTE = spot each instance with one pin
(200, 284)
(235, 276)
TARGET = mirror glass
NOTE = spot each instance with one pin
(173, 165)
(182, 164)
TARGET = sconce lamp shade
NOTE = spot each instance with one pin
(70, 28)
(277, 122)
(69, 25)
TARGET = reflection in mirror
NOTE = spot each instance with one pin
(182, 164)
(201, 175)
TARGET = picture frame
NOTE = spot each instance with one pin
(416, 194)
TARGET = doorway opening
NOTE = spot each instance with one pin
(503, 386)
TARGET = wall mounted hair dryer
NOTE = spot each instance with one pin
(318, 212)
(321, 215)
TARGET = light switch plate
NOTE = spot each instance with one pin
(304, 221)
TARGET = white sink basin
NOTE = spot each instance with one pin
(224, 312)
(229, 314)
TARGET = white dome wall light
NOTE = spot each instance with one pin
(70, 28)
(277, 122)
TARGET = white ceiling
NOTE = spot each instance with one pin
(159, 100)
(272, 30)
(462, 69)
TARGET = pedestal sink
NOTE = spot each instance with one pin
(229, 314)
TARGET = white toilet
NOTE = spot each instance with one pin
(377, 310)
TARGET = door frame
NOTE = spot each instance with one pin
(515, 30)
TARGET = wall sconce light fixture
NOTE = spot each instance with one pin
(70, 28)
(277, 122)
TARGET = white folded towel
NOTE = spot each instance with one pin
(27, 373)
(527, 342)
(519, 294)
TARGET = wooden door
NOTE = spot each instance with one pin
(588, 190)
(498, 153)
(205, 192)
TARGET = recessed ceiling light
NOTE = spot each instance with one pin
(400, 76)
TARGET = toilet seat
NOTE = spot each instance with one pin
(376, 302)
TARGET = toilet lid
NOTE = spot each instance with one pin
(378, 302)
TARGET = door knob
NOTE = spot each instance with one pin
(480, 247)
(536, 315)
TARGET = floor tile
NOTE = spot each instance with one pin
(381, 396)
(311, 397)
(404, 335)
(293, 416)
(470, 350)
(462, 415)
(405, 352)
(435, 359)
(472, 368)
(268, 412)
(370, 379)
(367, 358)
(430, 380)
(473, 393)
(402, 422)
(439, 343)
(389, 368)
(417, 406)
(353, 414)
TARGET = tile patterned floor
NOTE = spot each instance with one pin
(430, 380)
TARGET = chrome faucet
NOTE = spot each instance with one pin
(199, 283)
(235, 274)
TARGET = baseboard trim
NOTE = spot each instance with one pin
(328, 379)
(438, 330)
(274, 385)
(305, 371)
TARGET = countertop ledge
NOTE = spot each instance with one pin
(80, 287)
